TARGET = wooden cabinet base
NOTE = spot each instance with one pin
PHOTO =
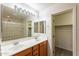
(27, 52)
(44, 48)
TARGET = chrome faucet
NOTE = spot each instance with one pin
(36, 37)
(16, 43)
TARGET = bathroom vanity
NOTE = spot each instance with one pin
(26, 47)
(20, 35)
(37, 50)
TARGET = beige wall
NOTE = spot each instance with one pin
(63, 30)
(64, 19)
(63, 37)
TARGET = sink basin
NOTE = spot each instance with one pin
(28, 42)
(13, 48)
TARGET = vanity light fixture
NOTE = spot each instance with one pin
(8, 18)
(24, 11)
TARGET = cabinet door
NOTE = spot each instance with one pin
(43, 49)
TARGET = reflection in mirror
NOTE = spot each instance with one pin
(42, 27)
(39, 27)
(29, 28)
(14, 25)
(36, 27)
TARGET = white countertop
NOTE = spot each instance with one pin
(9, 49)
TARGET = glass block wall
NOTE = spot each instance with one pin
(13, 28)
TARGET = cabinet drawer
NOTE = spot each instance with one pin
(29, 54)
(24, 52)
(36, 47)
(36, 52)
(43, 43)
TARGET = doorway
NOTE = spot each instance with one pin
(63, 33)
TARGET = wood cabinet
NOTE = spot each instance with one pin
(43, 48)
(27, 52)
(37, 50)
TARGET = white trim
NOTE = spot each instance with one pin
(74, 31)
(0, 30)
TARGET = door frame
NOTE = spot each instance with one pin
(73, 28)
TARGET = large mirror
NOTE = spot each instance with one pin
(15, 25)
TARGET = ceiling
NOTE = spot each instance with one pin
(40, 6)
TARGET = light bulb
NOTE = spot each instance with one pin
(8, 16)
